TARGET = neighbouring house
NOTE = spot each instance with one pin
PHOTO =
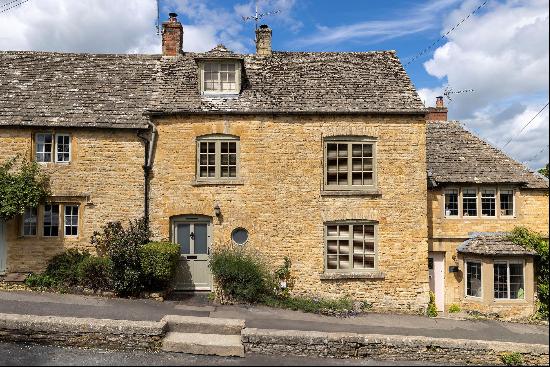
(476, 193)
(321, 157)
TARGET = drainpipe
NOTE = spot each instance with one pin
(148, 166)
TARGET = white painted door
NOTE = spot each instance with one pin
(3, 248)
(436, 266)
(193, 234)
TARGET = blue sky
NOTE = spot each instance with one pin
(501, 52)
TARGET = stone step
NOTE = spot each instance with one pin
(209, 344)
(203, 325)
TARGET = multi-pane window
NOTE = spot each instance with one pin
(217, 157)
(50, 147)
(30, 217)
(350, 246)
(349, 165)
(44, 147)
(473, 278)
(508, 280)
(488, 202)
(51, 220)
(220, 77)
(71, 220)
(506, 202)
(451, 202)
(469, 202)
(63, 148)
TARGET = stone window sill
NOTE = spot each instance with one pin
(356, 275)
(219, 182)
(376, 193)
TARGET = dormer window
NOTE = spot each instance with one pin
(220, 77)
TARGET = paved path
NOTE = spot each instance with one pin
(31, 355)
(266, 318)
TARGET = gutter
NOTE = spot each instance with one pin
(148, 166)
(281, 113)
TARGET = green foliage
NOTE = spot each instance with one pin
(431, 311)
(240, 275)
(532, 240)
(21, 186)
(454, 308)
(95, 273)
(544, 171)
(285, 279)
(512, 358)
(63, 268)
(312, 305)
(159, 261)
(122, 246)
(40, 281)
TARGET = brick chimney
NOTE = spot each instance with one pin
(172, 36)
(437, 113)
(263, 40)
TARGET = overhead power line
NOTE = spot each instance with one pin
(446, 34)
(13, 6)
(523, 128)
(536, 156)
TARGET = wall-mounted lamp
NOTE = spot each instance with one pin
(217, 210)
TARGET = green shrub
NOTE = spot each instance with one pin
(454, 308)
(40, 281)
(63, 268)
(512, 358)
(284, 278)
(95, 273)
(240, 275)
(532, 240)
(431, 311)
(159, 261)
(312, 305)
(122, 246)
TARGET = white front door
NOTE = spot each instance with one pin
(436, 266)
(194, 236)
(3, 248)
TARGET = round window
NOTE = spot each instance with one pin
(239, 236)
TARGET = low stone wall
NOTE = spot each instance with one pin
(82, 332)
(387, 347)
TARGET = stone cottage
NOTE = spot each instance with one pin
(320, 157)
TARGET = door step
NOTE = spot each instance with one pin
(203, 325)
(209, 344)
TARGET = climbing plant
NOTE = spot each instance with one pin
(22, 185)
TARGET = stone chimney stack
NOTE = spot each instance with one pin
(263, 40)
(439, 112)
(172, 36)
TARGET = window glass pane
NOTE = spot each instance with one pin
(469, 202)
(517, 290)
(183, 238)
(51, 220)
(473, 279)
(350, 247)
(501, 280)
(201, 239)
(349, 164)
(44, 147)
(451, 202)
(71, 220)
(506, 202)
(488, 202)
(63, 148)
(30, 221)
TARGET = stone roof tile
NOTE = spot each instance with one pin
(493, 244)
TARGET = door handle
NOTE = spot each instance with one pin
(192, 235)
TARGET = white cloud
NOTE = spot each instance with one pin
(502, 54)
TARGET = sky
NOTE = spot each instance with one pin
(499, 54)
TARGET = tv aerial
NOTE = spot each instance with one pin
(449, 91)
(257, 16)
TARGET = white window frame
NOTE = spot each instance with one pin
(497, 202)
(218, 139)
(65, 226)
(477, 261)
(351, 223)
(202, 80)
(57, 147)
(23, 227)
(445, 202)
(507, 188)
(508, 262)
(462, 202)
(52, 150)
(59, 223)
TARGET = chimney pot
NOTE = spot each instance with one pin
(439, 112)
(172, 36)
(263, 40)
(439, 102)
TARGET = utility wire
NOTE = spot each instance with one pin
(13, 6)
(536, 156)
(445, 35)
(527, 124)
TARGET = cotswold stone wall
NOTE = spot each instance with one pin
(105, 177)
(447, 234)
(279, 197)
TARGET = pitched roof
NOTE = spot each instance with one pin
(455, 155)
(67, 89)
(495, 244)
